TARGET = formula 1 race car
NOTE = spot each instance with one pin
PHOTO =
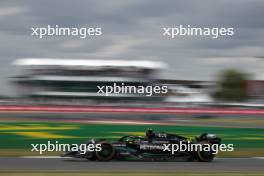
(154, 147)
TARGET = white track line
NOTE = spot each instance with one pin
(258, 157)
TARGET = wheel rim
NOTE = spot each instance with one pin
(106, 153)
(205, 155)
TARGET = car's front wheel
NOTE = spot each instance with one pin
(205, 153)
(106, 153)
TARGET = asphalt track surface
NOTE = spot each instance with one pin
(67, 164)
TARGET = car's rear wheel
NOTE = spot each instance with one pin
(205, 155)
(106, 153)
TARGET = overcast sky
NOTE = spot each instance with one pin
(132, 29)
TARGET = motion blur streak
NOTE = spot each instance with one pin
(132, 110)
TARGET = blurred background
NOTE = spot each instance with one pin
(49, 86)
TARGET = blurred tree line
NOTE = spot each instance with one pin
(231, 86)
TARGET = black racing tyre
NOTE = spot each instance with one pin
(107, 153)
(205, 156)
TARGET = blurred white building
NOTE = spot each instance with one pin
(78, 79)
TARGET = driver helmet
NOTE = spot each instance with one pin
(149, 133)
